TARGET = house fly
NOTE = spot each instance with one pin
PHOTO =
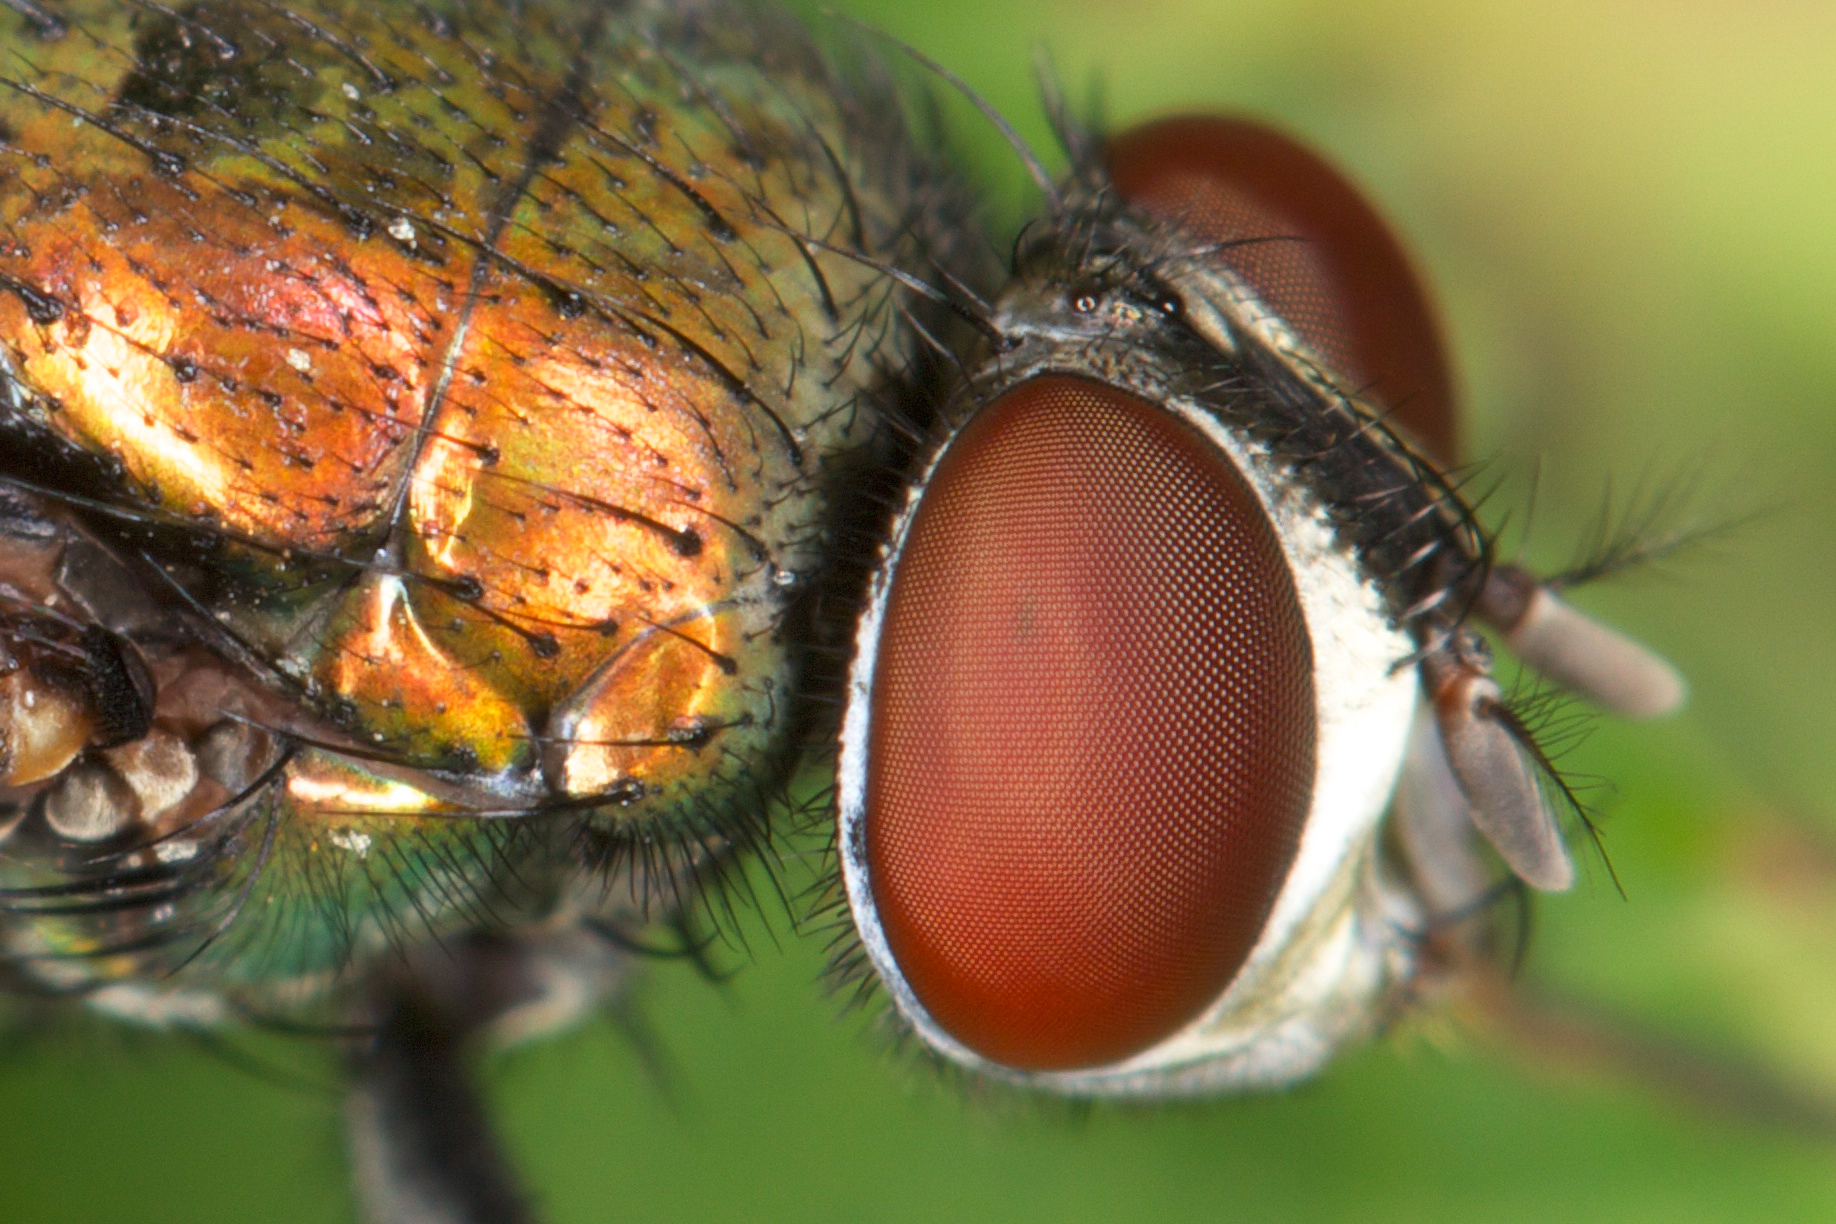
(444, 442)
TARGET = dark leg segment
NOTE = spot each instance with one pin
(422, 1148)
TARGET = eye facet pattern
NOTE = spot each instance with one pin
(1092, 740)
(1307, 241)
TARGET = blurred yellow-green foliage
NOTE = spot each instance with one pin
(1629, 210)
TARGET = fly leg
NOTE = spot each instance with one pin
(421, 1146)
(420, 1140)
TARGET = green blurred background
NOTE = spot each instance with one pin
(1629, 211)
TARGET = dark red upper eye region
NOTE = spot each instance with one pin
(1309, 244)
(1092, 740)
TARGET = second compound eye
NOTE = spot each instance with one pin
(1088, 748)
(1310, 245)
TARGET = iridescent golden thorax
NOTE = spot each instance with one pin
(490, 365)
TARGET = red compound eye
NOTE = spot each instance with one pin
(1331, 267)
(1092, 740)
